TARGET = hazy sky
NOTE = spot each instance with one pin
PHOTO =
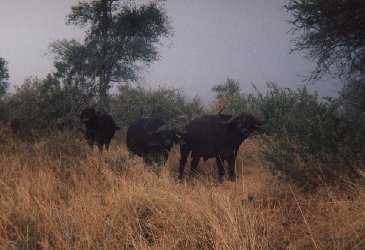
(213, 39)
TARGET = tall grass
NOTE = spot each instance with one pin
(57, 194)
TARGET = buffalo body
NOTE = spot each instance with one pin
(151, 139)
(99, 128)
(216, 136)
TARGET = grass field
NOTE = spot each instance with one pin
(57, 194)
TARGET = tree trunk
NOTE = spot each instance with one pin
(103, 102)
(104, 80)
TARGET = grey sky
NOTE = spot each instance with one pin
(213, 39)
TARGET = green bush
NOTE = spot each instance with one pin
(308, 140)
(131, 103)
(229, 98)
(45, 104)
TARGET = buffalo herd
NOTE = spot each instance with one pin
(209, 136)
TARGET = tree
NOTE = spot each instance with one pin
(74, 68)
(332, 32)
(229, 88)
(4, 76)
(118, 38)
(228, 96)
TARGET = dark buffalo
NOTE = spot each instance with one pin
(217, 136)
(22, 128)
(100, 128)
(152, 139)
(16, 126)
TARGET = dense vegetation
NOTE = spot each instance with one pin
(119, 37)
(331, 32)
(307, 140)
(130, 103)
(4, 76)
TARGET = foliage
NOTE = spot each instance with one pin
(4, 76)
(352, 101)
(353, 98)
(74, 67)
(229, 88)
(230, 99)
(43, 104)
(311, 141)
(332, 32)
(308, 141)
(119, 36)
(131, 103)
(301, 128)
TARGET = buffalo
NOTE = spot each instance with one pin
(22, 129)
(100, 128)
(151, 139)
(216, 136)
(16, 126)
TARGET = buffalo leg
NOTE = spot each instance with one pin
(100, 147)
(184, 152)
(147, 159)
(194, 165)
(147, 156)
(165, 157)
(220, 167)
(232, 168)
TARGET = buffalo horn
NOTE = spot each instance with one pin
(162, 128)
(233, 118)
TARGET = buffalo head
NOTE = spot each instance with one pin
(245, 123)
(164, 136)
(88, 116)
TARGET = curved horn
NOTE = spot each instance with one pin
(233, 118)
(162, 128)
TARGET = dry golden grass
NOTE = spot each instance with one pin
(56, 194)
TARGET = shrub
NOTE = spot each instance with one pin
(308, 140)
(131, 103)
(311, 141)
(230, 99)
(44, 104)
